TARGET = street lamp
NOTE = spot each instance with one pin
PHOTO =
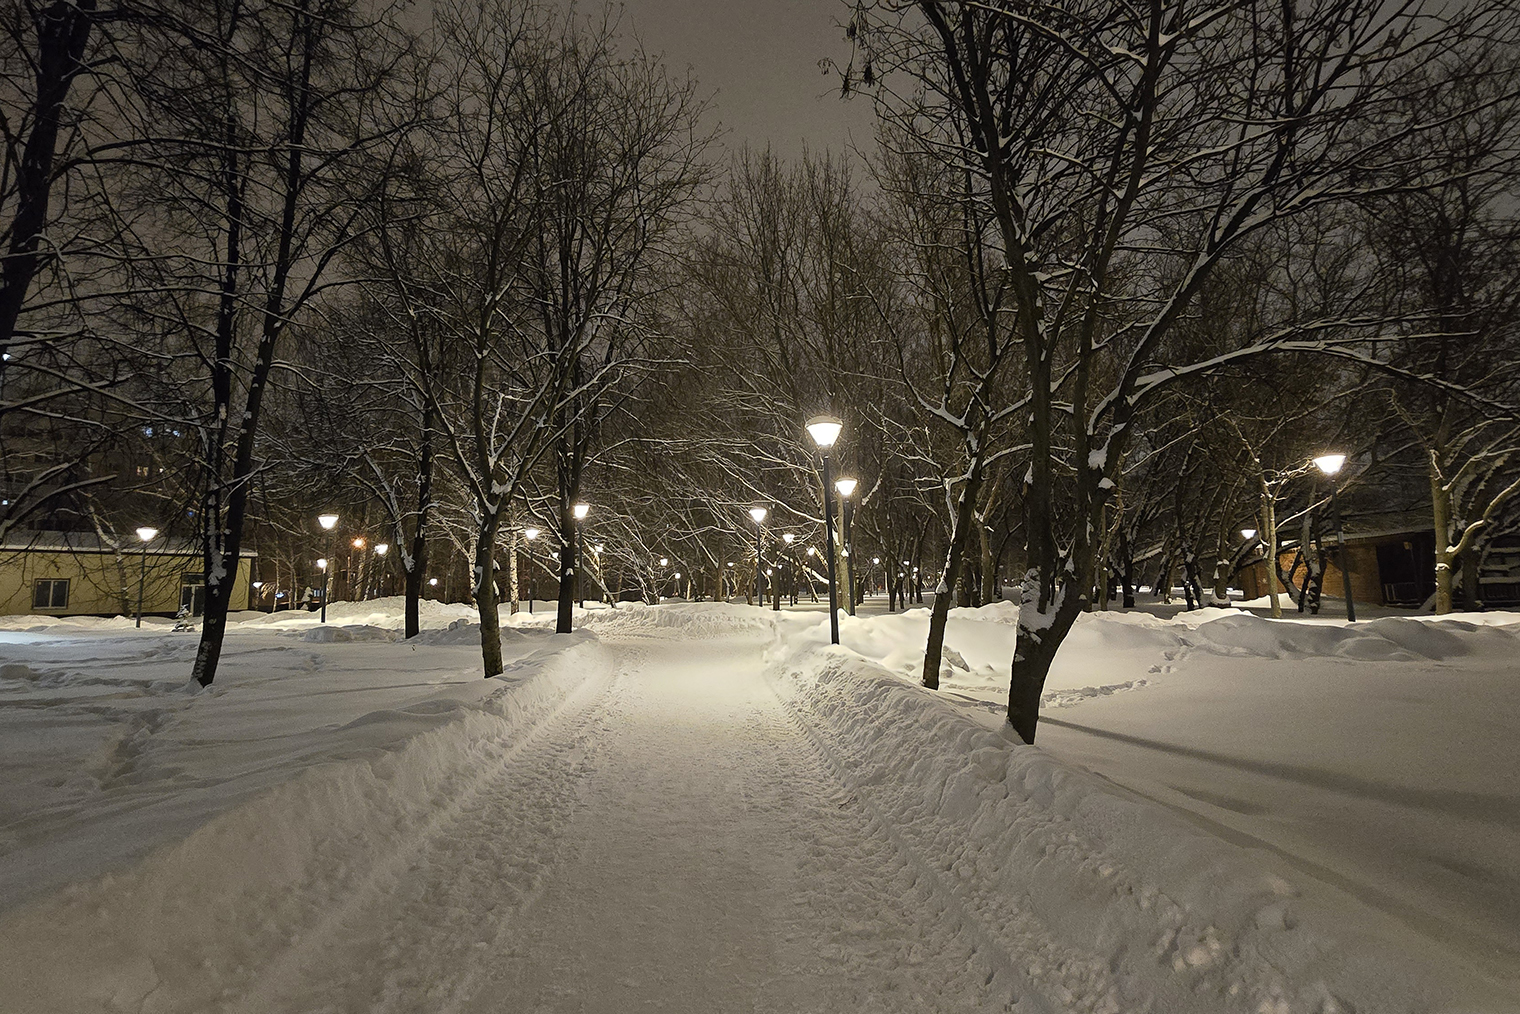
(758, 513)
(381, 548)
(1331, 465)
(147, 535)
(328, 523)
(824, 429)
(571, 565)
(530, 534)
(1248, 534)
(846, 488)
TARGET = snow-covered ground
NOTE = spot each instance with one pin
(708, 808)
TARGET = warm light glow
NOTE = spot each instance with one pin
(875, 559)
(147, 534)
(1248, 533)
(530, 534)
(322, 564)
(758, 513)
(1330, 464)
(846, 487)
(359, 543)
(824, 429)
(580, 511)
(664, 561)
(381, 548)
(678, 575)
(433, 581)
(597, 549)
(787, 538)
(812, 550)
(327, 521)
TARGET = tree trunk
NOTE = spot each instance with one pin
(1446, 556)
(1035, 651)
(486, 595)
(1471, 567)
(1269, 542)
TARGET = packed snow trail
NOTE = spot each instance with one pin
(669, 839)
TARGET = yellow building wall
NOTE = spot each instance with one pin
(103, 583)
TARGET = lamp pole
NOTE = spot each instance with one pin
(758, 513)
(791, 571)
(328, 523)
(824, 430)
(147, 535)
(846, 488)
(1331, 465)
(579, 549)
(530, 534)
(381, 549)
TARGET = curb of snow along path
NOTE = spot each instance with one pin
(200, 916)
(1082, 899)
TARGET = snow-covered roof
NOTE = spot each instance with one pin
(90, 542)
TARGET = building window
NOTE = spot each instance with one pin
(52, 593)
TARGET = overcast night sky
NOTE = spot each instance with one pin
(760, 57)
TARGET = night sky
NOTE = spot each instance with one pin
(760, 57)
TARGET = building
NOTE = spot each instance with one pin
(78, 574)
(1393, 563)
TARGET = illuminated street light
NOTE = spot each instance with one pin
(328, 523)
(1331, 465)
(758, 514)
(1248, 534)
(846, 488)
(147, 535)
(824, 429)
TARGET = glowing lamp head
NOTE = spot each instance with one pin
(359, 543)
(664, 561)
(1330, 464)
(1248, 533)
(758, 513)
(257, 585)
(812, 550)
(322, 564)
(678, 575)
(876, 559)
(581, 510)
(147, 534)
(381, 548)
(327, 521)
(530, 534)
(824, 429)
(846, 487)
(788, 538)
(433, 582)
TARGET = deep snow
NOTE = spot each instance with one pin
(708, 808)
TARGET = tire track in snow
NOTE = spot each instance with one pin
(1002, 972)
(451, 888)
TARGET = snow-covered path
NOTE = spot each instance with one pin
(668, 839)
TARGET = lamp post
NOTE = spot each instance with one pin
(328, 523)
(758, 513)
(846, 488)
(147, 535)
(824, 429)
(1331, 465)
(381, 548)
(875, 562)
(791, 570)
(530, 534)
(580, 511)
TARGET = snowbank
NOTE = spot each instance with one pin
(191, 919)
(1121, 899)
